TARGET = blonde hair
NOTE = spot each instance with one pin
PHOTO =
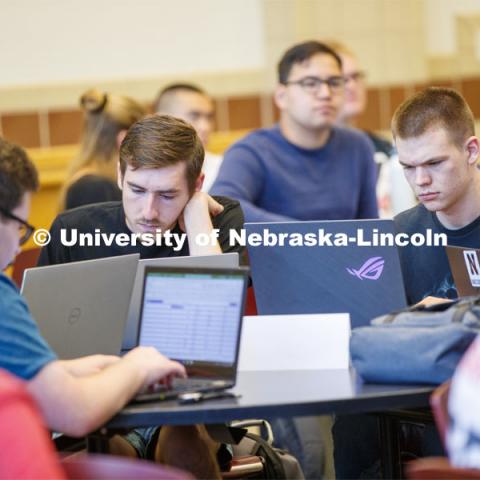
(105, 116)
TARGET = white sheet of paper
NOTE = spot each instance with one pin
(295, 342)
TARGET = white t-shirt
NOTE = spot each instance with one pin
(211, 165)
(463, 437)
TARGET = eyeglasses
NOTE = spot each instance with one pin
(355, 77)
(26, 229)
(312, 85)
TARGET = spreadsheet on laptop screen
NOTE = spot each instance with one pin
(192, 317)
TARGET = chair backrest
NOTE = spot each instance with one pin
(439, 404)
(251, 304)
(103, 467)
(438, 468)
(26, 450)
(25, 259)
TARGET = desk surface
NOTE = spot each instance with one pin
(277, 394)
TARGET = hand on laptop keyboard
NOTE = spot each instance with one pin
(156, 366)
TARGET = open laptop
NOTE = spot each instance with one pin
(194, 316)
(465, 267)
(81, 307)
(226, 260)
(364, 281)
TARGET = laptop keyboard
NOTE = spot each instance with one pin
(182, 385)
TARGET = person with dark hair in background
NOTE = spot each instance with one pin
(192, 104)
(304, 168)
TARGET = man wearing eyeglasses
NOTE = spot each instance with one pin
(304, 168)
(393, 192)
(355, 101)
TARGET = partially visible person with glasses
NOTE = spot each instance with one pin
(17, 179)
(25, 230)
(312, 85)
(305, 167)
(393, 193)
(74, 396)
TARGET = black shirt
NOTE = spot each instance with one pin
(382, 145)
(426, 270)
(91, 189)
(109, 218)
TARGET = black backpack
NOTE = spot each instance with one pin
(277, 463)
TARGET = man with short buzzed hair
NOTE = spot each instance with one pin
(435, 138)
(192, 104)
(434, 133)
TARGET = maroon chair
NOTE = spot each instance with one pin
(250, 304)
(439, 404)
(25, 259)
(106, 467)
(439, 468)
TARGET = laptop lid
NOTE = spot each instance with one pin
(194, 316)
(227, 260)
(352, 276)
(81, 307)
(465, 267)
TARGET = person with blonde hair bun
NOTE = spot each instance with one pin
(92, 175)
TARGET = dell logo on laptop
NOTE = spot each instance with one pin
(74, 316)
(370, 270)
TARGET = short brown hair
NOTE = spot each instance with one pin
(161, 141)
(431, 107)
(18, 175)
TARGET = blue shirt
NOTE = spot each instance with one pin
(275, 180)
(23, 351)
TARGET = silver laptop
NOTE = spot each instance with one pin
(81, 307)
(465, 267)
(226, 260)
(194, 316)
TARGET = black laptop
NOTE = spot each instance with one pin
(194, 316)
(357, 275)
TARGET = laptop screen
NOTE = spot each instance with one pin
(193, 316)
(465, 267)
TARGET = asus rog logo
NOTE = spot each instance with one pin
(370, 270)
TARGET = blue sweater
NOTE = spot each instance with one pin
(275, 180)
